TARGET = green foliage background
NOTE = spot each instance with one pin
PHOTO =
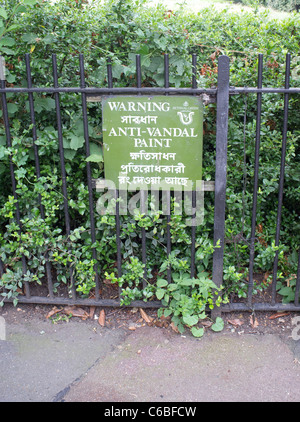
(118, 30)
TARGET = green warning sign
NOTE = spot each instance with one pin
(153, 140)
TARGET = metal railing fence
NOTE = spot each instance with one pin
(221, 94)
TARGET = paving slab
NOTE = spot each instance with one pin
(80, 361)
(39, 360)
(153, 366)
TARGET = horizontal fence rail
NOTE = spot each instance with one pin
(221, 94)
(148, 90)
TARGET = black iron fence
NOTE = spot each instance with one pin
(221, 94)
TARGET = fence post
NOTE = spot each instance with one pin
(221, 172)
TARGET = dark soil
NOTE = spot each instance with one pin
(131, 318)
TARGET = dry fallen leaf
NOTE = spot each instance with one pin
(161, 322)
(75, 312)
(145, 317)
(236, 322)
(174, 328)
(53, 311)
(278, 315)
(132, 328)
(133, 310)
(101, 319)
(92, 311)
(206, 323)
(253, 321)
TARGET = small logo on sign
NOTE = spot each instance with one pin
(186, 117)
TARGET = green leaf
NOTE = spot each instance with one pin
(145, 61)
(95, 158)
(13, 27)
(8, 51)
(30, 37)
(197, 332)
(3, 13)
(285, 291)
(7, 41)
(69, 154)
(160, 293)
(30, 2)
(49, 39)
(218, 325)
(176, 296)
(179, 62)
(2, 151)
(20, 8)
(117, 70)
(139, 33)
(161, 282)
(12, 108)
(190, 320)
(143, 50)
(49, 103)
(95, 149)
(167, 312)
(288, 294)
(186, 282)
(76, 142)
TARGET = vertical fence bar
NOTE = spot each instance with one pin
(118, 235)
(143, 192)
(62, 163)
(221, 170)
(2, 78)
(282, 169)
(138, 71)
(168, 193)
(37, 164)
(118, 228)
(61, 146)
(256, 170)
(193, 234)
(11, 164)
(88, 170)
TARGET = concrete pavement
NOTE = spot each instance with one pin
(80, 361)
